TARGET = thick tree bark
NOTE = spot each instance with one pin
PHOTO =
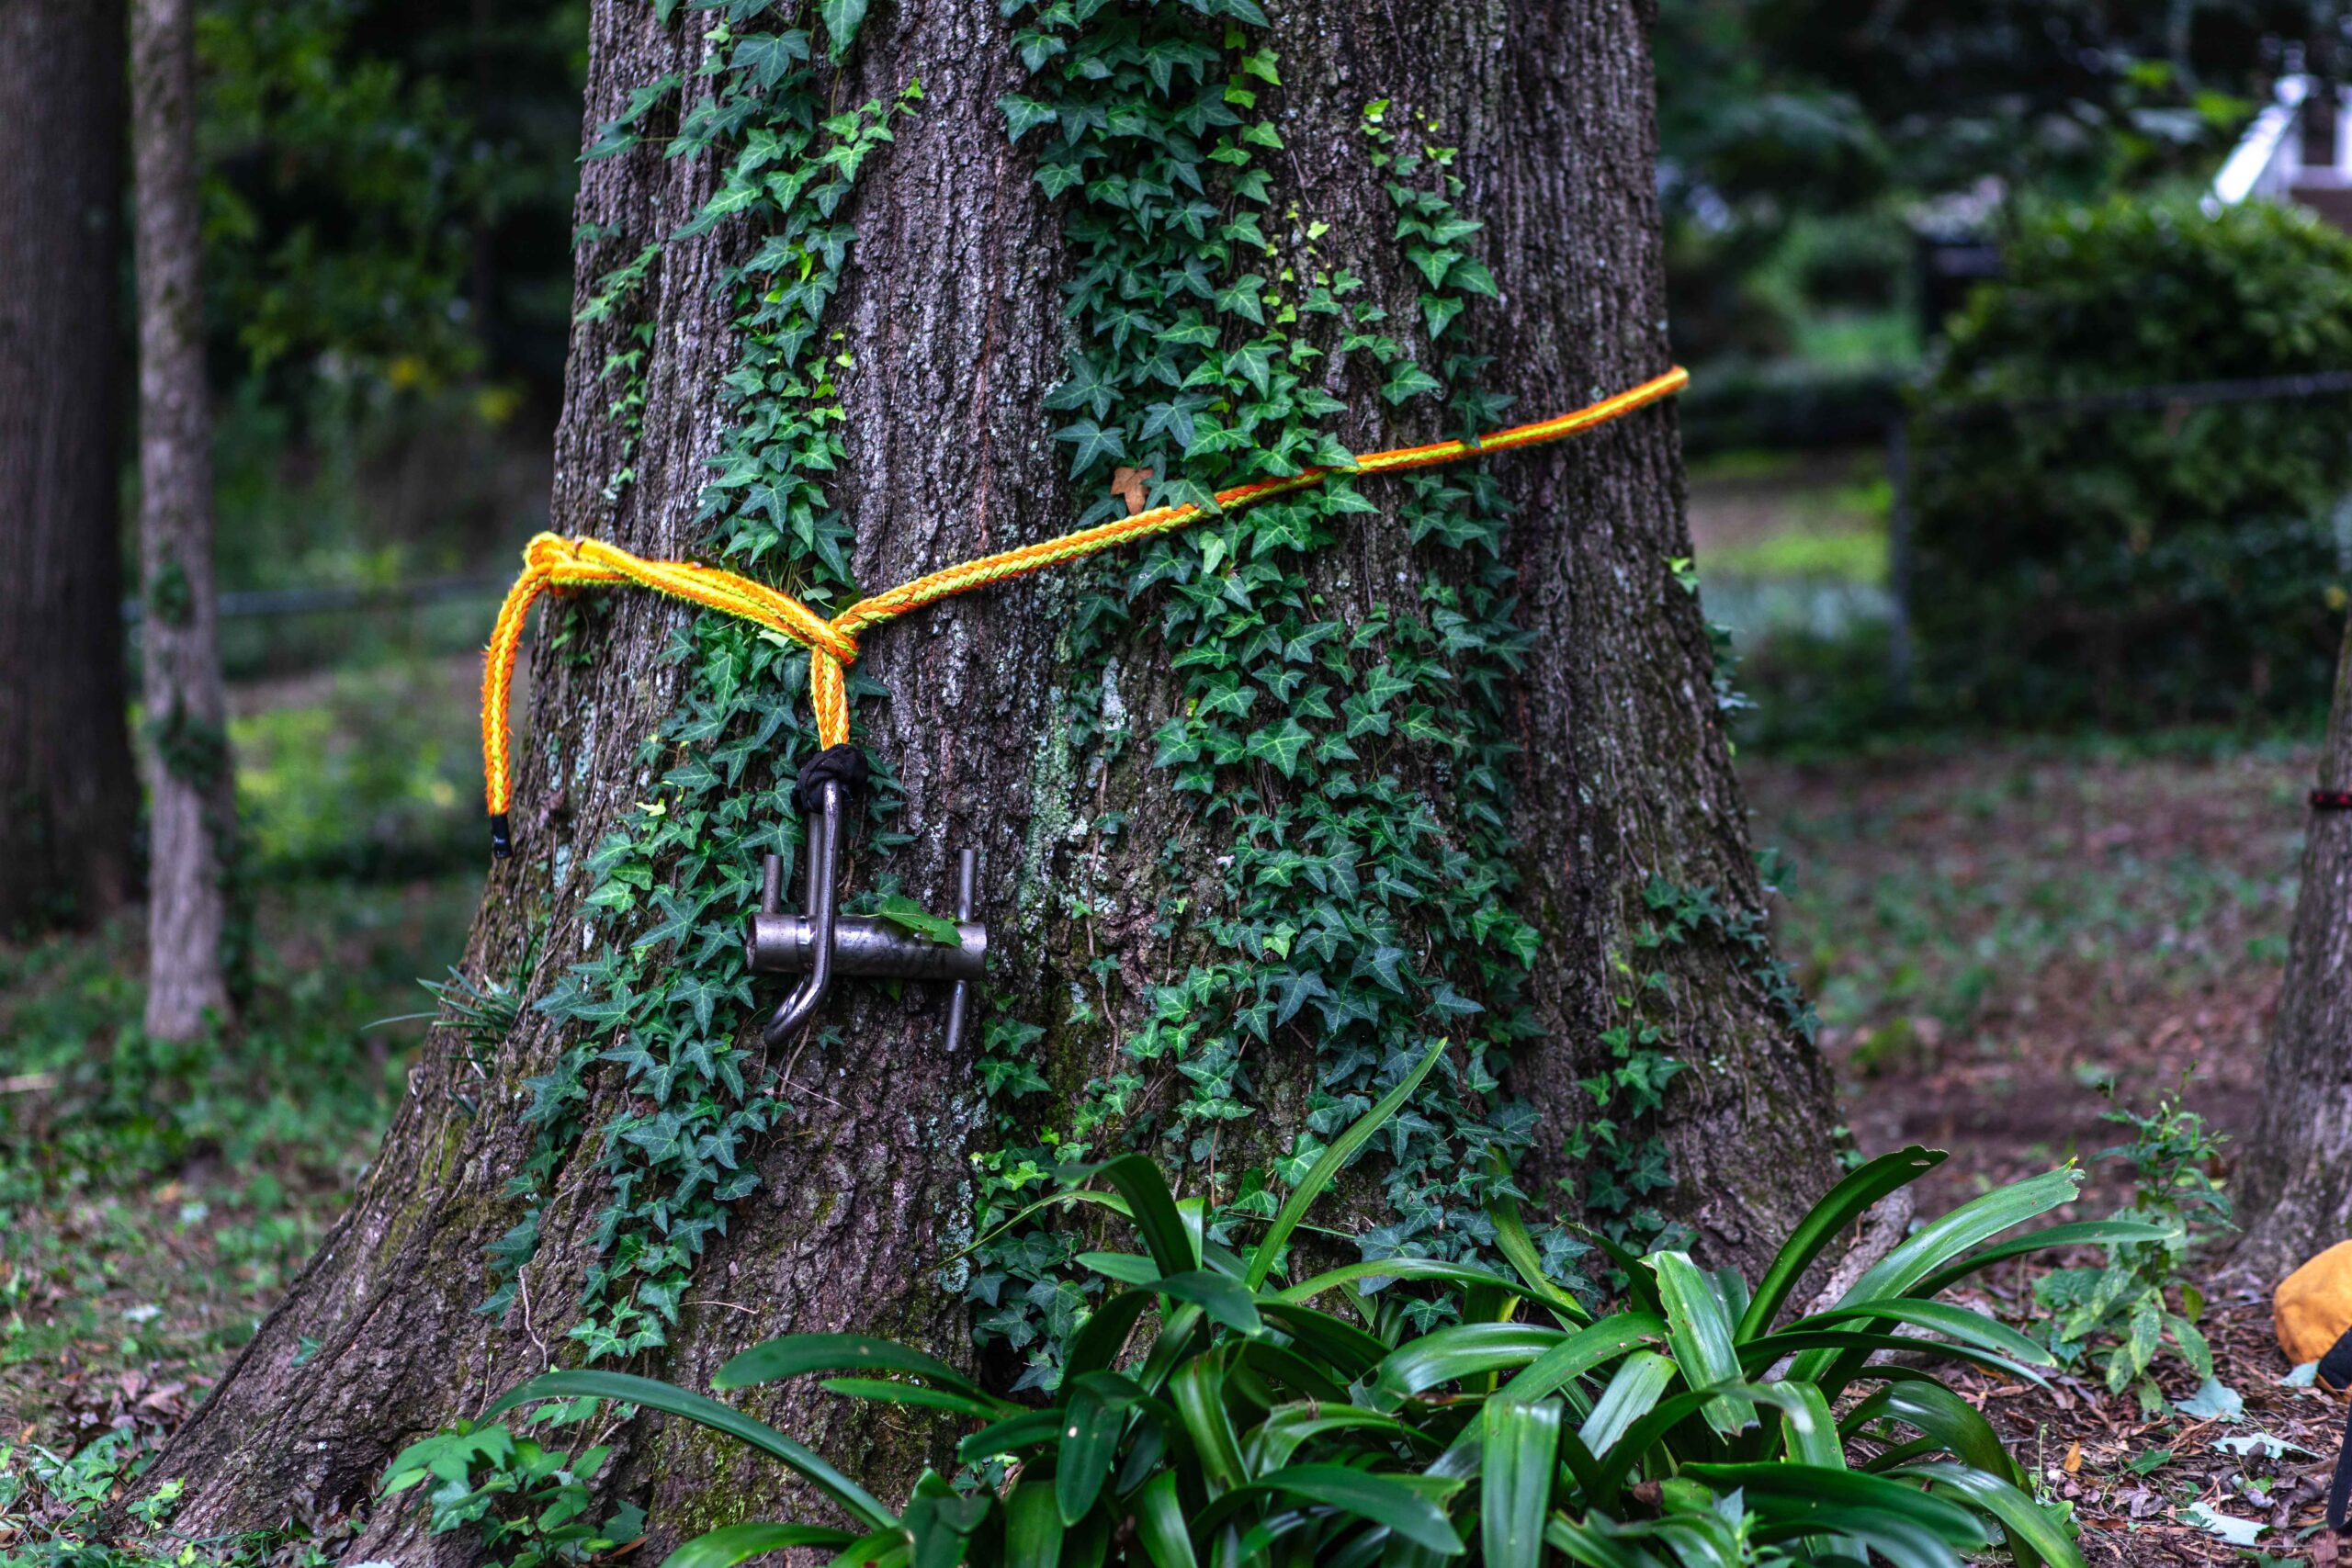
(69, 798)
(191, 782)
(2297, 1194)
(953, 335)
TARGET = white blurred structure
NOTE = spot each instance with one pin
(2297, 150)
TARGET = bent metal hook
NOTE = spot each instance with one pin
(821, 943)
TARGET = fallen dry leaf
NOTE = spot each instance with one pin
(1131, 486)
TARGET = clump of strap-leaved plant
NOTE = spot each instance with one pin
(1207, 1414)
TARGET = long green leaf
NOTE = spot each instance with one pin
(795, 1355)
(1641, 1285)
(888, 1391)
(1584, 1349)
(1582, 1542)
(1462, 1351)
(1808, 1431)
(1849, 1348)
(1153, 1211)
(1032, 1527)
(1073, 1196)
(1090, 1439)
(726, 1547)
(1389, 1501)
(1938, 1241)
(1943, 1418)
(1522, 1448)
(1096, 1343)
(1397, 1269)
(1977, 1221)
(1644, 1435)
(1633, 1392)
(1029, 1430)
(1285, 1367)
(2081, 1232)
(1960, 1323)
(1815, 1486)
(674, 1401)
(1198, 1392)
(1843, 1203)
(1349, 1351)
(1159, 1514)
(1701, 1334)
(1519, 1250)
(1328, 1165)
(1225, 1301)
(2033, 1535)
(883, 1549)
(1277, 1436)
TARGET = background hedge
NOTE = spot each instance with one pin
(2139, 565)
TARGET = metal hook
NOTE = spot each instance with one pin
(821, 943)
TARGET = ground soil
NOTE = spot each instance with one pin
(2002, 937)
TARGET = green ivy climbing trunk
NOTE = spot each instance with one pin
(69, 799)
(192, 798)
(1262, 808)
(2296, 1196)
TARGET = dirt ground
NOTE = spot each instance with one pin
(1998, 939)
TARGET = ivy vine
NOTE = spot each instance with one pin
(666, 993)
(1356, 774)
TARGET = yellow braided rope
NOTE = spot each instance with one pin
(551, 561)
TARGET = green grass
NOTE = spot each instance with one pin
(1956, 882)
(1848, 555)
(154, 1199)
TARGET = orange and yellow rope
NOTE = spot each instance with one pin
(551, 561)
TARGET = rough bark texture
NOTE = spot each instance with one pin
(191, 786)
(69, 798)
(2297, 1195)
(952, 315)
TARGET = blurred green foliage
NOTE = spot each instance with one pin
(387, 205)
(1799, 138)
(2141, 564)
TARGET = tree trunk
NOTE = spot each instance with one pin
(69, 800)
(2296, 1196)
(1146, 916)
(192, 792)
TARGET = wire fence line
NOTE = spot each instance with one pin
(269, 601)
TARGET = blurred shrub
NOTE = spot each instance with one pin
(2137, 565)
(370, 772)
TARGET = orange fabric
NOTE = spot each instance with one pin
(551, 561)
(2312, 1305)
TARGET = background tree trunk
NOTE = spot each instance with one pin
(191, 778)
(2296, 1196)
(952, 336)
(69, 800)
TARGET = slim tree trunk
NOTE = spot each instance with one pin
(69, 798)
(1261, 809)
(191, 782)
(2296, 1196)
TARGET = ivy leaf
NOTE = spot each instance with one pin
(1093, 443)
(842, 18)
(909, 916)
(767, 56)
(1022, 115)
(1281, 746)
(1410, 380)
